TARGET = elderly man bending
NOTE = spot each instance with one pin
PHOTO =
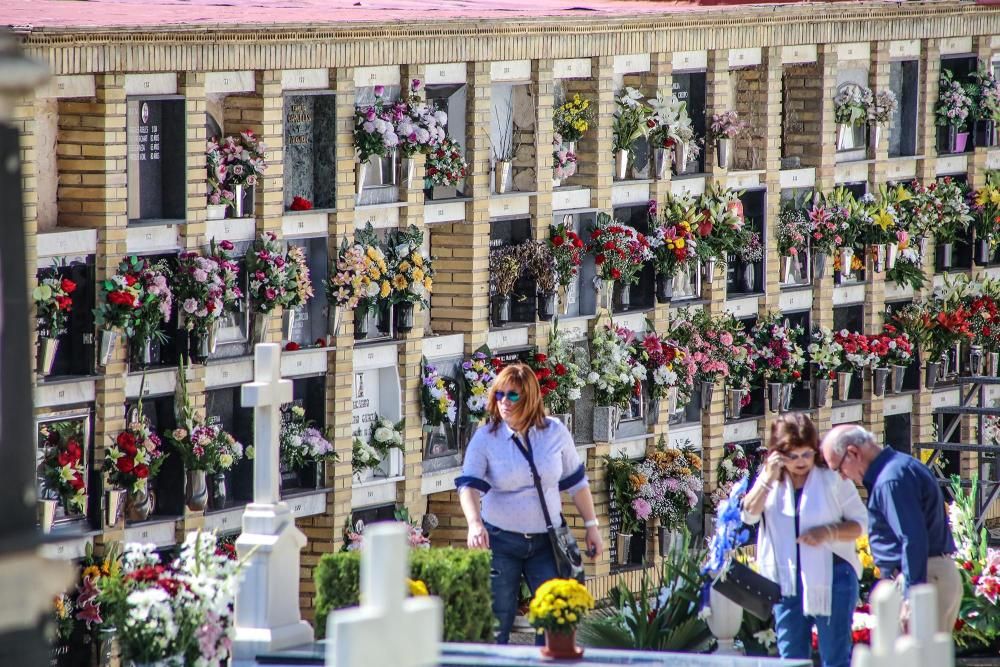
(907, 523)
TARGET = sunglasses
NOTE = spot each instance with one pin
(511, 396)
(805, 456)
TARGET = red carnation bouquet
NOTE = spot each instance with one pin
(137, 299)
(619, 250)
(985, 322)
(135, 456)
(62, 465)
(559, 373)
(890, 348)
(53, 303)
(567, 248)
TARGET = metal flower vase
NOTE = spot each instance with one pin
(623, 544)
(846, 255)
(623, 296)
(993, 364)
(844, 384)
(787, 263)
(501, 309)
(114, 506)
(932, 372)
(238, 200)
(819, 264)
(845, 137)
(288, 323)
(195, 490)
(946, 251)
(546, 306)
(621, 165)
(261, 323)
(976, 360)
(946, 365)
(670, 541)
(874, 136)
(774, 391)
(879, 252)
(45, 355)
(408, 172)
(207, 342)
(924, 244)
(218, 494)
(786, 396)
(661, 163)
(681, 158)
(606, 422)
(142, 351)
(671, 400)
(47, 513)
(501, 175)
(404, 316)
(822, 390)
(707, 393)
(360, 174)
(708, 267)
(734, 402)
(880, 378)
(139, 505)
(898, 377)
(891, 255)
(106, 347)
(664, 288)
(722, 152)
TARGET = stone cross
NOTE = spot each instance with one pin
(388, 629)
(265, 395)
(924, 646)
(267, 615)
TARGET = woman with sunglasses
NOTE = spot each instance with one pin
(498, 493)
(809, 519)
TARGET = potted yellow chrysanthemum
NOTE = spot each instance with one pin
(556, 609)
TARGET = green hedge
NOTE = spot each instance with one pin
(460, 577)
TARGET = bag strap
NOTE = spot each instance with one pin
(528, 455)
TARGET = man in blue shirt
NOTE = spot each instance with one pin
(907, 522)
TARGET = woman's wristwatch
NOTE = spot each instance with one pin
(593, 523)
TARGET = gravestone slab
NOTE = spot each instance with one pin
(156, 160)
(486, 655)
(310, 149)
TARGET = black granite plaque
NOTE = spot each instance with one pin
(311, 319)
(156, 160)
(310, 149)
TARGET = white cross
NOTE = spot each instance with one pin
(924, 646)
(388, 629)
(265, 395)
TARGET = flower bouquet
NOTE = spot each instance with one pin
(673, 240)
(217, 166)
(180, 613)
(952, 111)
(506, 268)
(733, 468)
(985, 324)
(205, 288)
(53, 303)
(721, 227)
(301, 444)
(730, 533)
(446, 165)
(419, 126)
(672, 484)
(826, 354)
(627, 126)
(369, 454)
(615, 373)
(624, 482)
(272, 280)
(780, 359)
(478, 375)
(354, 540)
(354, 282)
(560, 373)
(619, 253)
(986, 208)
(245, 158)
(134, 458)
(571, 119)
(696, 330)
(138, 299)
(556, 609)
(375, 131)
(540, 264)
(411, 274)
(850, 108)
(725, 127)
(563, 161)
(954, 215)
(890, 350)
(670, 370)
(62, 467)
(437, 398)
(302, 289)
(567, 249)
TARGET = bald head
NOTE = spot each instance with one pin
(848, 449)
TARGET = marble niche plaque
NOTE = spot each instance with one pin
(310, 149)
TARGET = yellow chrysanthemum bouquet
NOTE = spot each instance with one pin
(559, 605)
(572, 119)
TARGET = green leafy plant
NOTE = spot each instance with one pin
(660, 616)
(460, 577)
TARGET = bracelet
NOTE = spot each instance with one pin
(593, 523)
(769, 487)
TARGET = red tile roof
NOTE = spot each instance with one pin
(95, 14)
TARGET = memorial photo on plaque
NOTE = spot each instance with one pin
(157, 187)
(310, 151)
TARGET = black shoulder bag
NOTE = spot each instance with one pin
(750, 590)
(569, 561)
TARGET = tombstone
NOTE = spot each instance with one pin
(357, 636)
(924, 646)
(310, 149)
(267, 603)
(155, 130)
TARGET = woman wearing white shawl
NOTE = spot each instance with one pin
(805, 542)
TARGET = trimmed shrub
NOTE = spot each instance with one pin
(460, 577)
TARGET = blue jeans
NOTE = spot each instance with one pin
(794, 628)
(514, 555)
